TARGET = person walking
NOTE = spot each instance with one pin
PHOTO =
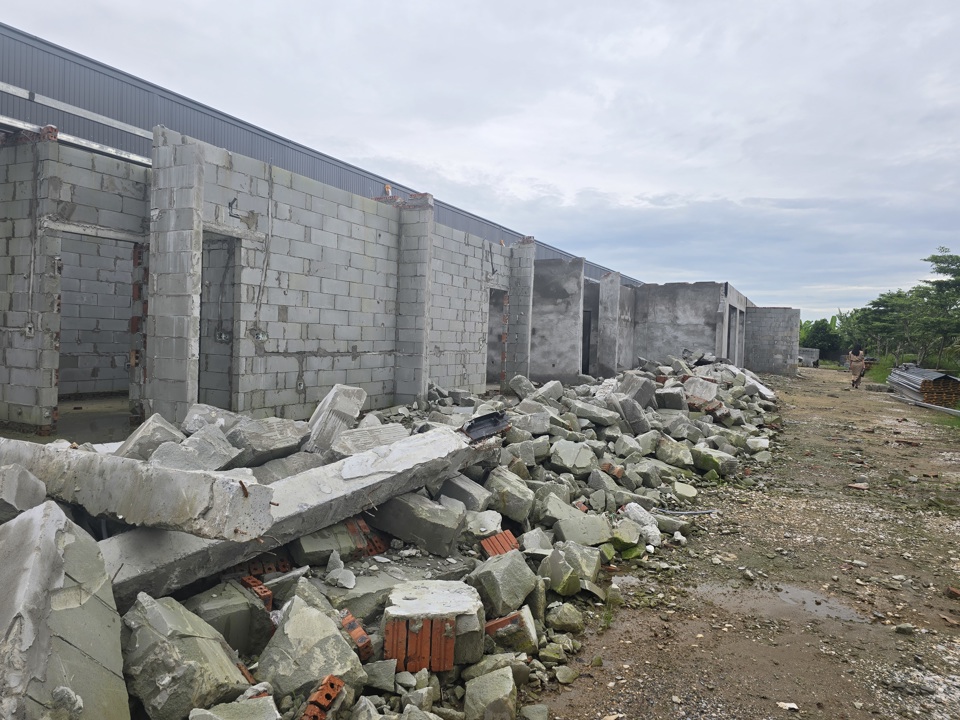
(858, 365)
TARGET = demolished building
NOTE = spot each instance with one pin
(176, 265)
(421, 562)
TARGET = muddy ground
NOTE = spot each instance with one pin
(800, 590)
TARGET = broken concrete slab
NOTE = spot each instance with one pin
(563, 577)
(20, 490)
(674, 453)
(593, 413)
(212, 505)
(148, 437)
(522, 386)
(707, 459)
(160, 562)
(358, 440)
(552, 390)
(337, 412)
(207, 449)
(267, 439)
(417, 519)
(174, 661)
(451, 609)
(274, 470)
(58, 620)
(307, 647)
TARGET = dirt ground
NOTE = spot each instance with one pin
(800, 590)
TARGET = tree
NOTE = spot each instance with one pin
(821, 335)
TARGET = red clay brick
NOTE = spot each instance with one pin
(442, 644)
(418, 645)
(359, 635)
(492, 626)
(499, 544)
(265, 595)
(395, 642)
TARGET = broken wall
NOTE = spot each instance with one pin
(330, 288)
(556, 338)
(772, 340)
(64, 208)
(465, 268)
(591, 326)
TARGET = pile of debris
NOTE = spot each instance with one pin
(421, 563)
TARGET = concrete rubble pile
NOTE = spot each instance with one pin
(384, 567)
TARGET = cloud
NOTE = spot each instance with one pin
(805, 152)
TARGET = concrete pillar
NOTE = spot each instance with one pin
(556, 344)
(520, 309)
(414, 298)
(176, 259)
(609, 349)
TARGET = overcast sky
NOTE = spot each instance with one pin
(807, 152)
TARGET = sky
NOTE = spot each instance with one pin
(807, 152)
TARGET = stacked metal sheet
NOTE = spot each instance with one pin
(928, 386)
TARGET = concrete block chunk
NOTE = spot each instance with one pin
(593, 413)
(491, 697)
(522, 386)
(414, 518)
(236, 613)
(674, 453)
(263, 440)
(572, 457)
(700, 388)
(307, 647)
(564, 578)
(552, 390)
(337, 412)
(58, 620)
(474, 496)
(584, 559)
(638, 387)
(672, 398)
(148, 437)
(585, 530)
(206, 449)
(19, 491)
(503, 581)
(213, 505)
(174, 661)
(200, 415)
(706, 459)
(510, 496)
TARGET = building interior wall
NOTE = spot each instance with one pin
(677, 316)
(95, 311)
(217, 313)
(591, 306)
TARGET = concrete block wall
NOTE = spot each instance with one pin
(772, 340)
(465, 268)
(557, 320)
(808, 356)
(95, 308)
(27, 393)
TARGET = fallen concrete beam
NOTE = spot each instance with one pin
(211, 505)
(160, 562)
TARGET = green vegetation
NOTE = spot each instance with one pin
(921, 324)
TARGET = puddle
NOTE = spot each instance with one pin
(789, 601)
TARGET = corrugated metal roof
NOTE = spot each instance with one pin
(45, 69)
